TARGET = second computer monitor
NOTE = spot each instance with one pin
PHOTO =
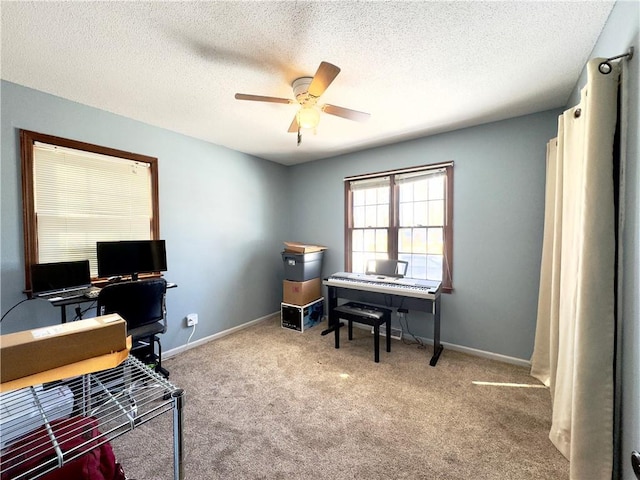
(131, 257)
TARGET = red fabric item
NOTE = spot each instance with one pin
(33, 449)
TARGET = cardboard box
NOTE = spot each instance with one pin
(295, 247)
(70, 370)
(33, 351)
(302, 317)
(301, 293)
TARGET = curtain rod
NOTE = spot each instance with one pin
(605, 67)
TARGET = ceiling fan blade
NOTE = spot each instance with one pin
(346, 113)
(294, 125)
(260, 98)
(322, 79)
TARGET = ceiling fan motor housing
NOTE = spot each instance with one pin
(301, 91)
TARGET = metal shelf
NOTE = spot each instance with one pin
(45, 427)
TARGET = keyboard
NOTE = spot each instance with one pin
(394, 286)
(89, 292)
(92, 292)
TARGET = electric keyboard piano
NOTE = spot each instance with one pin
(406, 293)
(409, 287)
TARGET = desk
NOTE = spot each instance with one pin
(421, 295)
(80, 300)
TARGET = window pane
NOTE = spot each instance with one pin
(406, 192)
(371, 216)
(420, 189)
(404, 240)
(358, 217)
(420, 214)
(370, 196)
(383, 195)
(369, 240)
(418, 266)
(358, 197)
(381, 240)
(383, 216)
(419, 240)
(434, 267)
(435, 243)
(357, 240)
(406, 214)
(358, 262)
(436, 213)
(436, 187)
(407, 258)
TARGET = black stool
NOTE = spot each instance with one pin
(369, 315)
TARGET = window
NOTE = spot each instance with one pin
(75, 194)
(402, 215)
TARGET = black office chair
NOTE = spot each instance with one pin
(142, 305)
(387, 268)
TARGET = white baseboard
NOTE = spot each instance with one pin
(490, 355)
(224, 333)
(460, 348)
(450, 346)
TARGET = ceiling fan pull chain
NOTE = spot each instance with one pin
(299, 135)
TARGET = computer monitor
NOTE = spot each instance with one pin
(47, 277)
(131, 257)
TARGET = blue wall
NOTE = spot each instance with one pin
(225, 214)
(499, 172)
(221, 213)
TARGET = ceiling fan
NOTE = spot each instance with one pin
(307, 91)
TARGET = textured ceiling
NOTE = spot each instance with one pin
(418, 68)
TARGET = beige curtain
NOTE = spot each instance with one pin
(574, 346)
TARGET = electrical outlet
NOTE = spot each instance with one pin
(192, 319)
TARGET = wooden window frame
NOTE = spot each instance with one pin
(392, 237)
(30, 226)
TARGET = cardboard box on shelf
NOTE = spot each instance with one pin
(33, 351)
(296, 247)
(301, 293)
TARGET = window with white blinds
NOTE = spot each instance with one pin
(82, 194)
(402, 215)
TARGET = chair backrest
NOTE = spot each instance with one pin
(139, 302)
(388, 268)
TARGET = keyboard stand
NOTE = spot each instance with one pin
(390, 299)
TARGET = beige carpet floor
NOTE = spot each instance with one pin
(271, 403)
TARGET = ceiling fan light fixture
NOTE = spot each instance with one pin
(308, 117)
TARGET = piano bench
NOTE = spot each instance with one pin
(369, 315)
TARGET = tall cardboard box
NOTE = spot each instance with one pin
(301, 293)
(33, 351)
